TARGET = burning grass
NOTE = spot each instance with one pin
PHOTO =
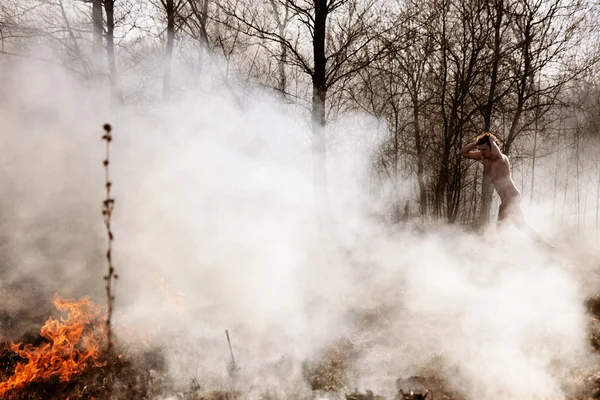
(70, 346)
(67, 359)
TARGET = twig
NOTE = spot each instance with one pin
(232, 366)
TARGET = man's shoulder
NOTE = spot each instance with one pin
(502, 158)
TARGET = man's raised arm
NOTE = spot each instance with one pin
(494, 146)
(466, 152)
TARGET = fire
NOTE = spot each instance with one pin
(75, 344)
(164, 288)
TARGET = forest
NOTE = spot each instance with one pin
(264, 199)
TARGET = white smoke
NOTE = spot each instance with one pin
(217, 201)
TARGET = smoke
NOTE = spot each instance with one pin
(215, 229)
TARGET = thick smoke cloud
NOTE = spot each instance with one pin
(215, 230)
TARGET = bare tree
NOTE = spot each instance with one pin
(414, 59)
(394, 88)
(49, 24)
(463, 41)
(282, 17)
(342, 33)
(543, 32)
(197, 20)
(171, 8)
(496, 10)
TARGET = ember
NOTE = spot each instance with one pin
(75, 344)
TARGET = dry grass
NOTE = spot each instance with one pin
(330, 373)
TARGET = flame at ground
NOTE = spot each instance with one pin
(165, 289)
(75, 344)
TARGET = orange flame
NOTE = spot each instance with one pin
(75, 344)
(164, 289)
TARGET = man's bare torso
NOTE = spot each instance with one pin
(499, 172)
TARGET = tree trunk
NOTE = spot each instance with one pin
(318, 110)
(420, 160)
(577, 181)
(98, 26)
(443, 177)
(284, 51)
(487, 189)
(522, 85)
(201, 15)
(282, 21)
(419, 146)
(535, 137)
(282, 76)
(487, 197)
(109, 7)
(397, 215)
(564, 205)
(170, 9)
(555, 189)
(489, 106)
(597, 203)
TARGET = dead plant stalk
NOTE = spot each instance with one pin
(107, 209)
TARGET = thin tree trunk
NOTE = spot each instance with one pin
(577, 180)
(420, 155)
(199, 65)
(203, 49)
(562, 215)
(318, 110)
(282, 74)
(396, 211)
(489, 106)
(487, 189)
(585, 207)
(98, 26)
(535, 135)
(598, 202)
(555, 186)
(170, 9)
(443, 176)
(522, 88)
(109, 8)
(282, 22)
(473, 211)
(76, 48)
(456, 192)
(487, 196)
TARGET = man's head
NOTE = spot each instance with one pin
(484, 144)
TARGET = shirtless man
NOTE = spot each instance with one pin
(497, 166)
